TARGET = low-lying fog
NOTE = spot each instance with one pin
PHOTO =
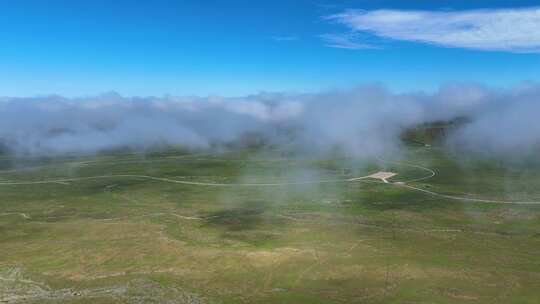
(363, 121)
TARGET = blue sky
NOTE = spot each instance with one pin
(235, 47)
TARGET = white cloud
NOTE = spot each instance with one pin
(364, 121)
(513, 30)
(344, 41)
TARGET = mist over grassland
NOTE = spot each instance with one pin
(272, 224)
(363, 121)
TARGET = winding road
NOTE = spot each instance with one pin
(402, 184)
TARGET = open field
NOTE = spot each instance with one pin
(256, 226)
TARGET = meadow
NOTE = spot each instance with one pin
(265, 226)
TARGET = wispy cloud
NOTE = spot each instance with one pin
(284, 38)
(344, 41)
(512, 30)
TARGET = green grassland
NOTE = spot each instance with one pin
(130, 239)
